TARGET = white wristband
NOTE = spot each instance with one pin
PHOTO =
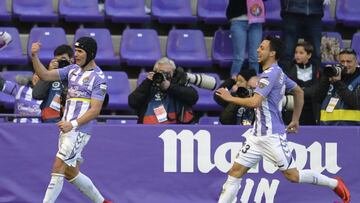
(74, 124)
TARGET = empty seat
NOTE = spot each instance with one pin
(347, 12)
(272, 12)
(328, 19)
(331, 44)
(141, 78)
(5, 15)
(12, 54)
(7, 100)
(80, 11)
(206, 101)
(206, 120)
(105, 54)
(187, 48)
(222, 48)
(50, 38)
(174, 11)
(126, 11)
(355, 44)
(212, 11)
(34, 10)
(118, 90)
(140, 47)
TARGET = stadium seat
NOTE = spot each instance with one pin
(118, 90)
(272, 12)
(174, 11)
(50, 38)
(80, 11)
(187, 48)
(328, 19)
(206, 120)
(34, 10)
(206, 101)
(126, 11)
(105, 54)
(7, 100)
(12, 54)
(140, 47)
(212, 11)
(222, 48)
(347, 12)
(355, 44)
(141, 78)
(338, 38)
(120, 121)
(5, 15)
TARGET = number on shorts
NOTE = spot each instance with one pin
(245, 148)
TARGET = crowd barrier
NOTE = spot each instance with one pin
(173, 164)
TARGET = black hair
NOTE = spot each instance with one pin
(309, 49)
(276, 45)
(64, 49)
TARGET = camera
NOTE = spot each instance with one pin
(159, 77)
(201, 80)
(243, 92)
(333, 70)
(63, 62)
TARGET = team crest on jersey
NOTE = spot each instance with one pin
(86, 80)
(263, 82)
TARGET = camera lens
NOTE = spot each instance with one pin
(158, 78)
(63, 63)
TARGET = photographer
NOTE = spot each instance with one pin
(242, 87)
(164, 96)
(53, 93)
(339, 91)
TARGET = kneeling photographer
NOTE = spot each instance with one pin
(241, 87)
(339, 91)
(164, 97)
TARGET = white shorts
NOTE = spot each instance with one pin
(272, 147)
(70, 146)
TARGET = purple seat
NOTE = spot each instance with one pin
(328, 19)
(105, 54)
(206, 101)
(141, 77)
(80, 11)
(272, 12)
(206, 120)
(5, 15)
(50, 38)
(338, 37)
(222, 48)
(212, 11)
(126, 11)
(121, 121)
(174, 11)
(7, 100)
(140, 47)
(34, 10)
(347, 12)
(12, 54)
(187, 48)
(118, 90)
(355, 44)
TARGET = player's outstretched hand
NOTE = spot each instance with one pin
(293, 127)
(35, 47)
(64, 126)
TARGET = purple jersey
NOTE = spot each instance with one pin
(24, 102)
(272, 85)
(82, 87)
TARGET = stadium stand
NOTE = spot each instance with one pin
(347, 12)
(5, 15)
(174, 11)
(80, 11)
(13, 54)
(118, 90)
(355, 44)
(126, 11)
(222, 48)
(34, 11)
(212, 11)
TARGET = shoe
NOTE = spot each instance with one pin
(5, 39)
(342, 191)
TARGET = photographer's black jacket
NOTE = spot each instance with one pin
(233, 114)
(141, 96)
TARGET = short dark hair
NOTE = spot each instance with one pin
(276, 45)
(347, 51)
(307, 47)
(64, 49)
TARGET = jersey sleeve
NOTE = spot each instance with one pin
(100, 88)
(289, 84)
(64, 72)
(10, 88)
(266, 81)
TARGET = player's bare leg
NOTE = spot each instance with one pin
(233, 183)
(313, 177)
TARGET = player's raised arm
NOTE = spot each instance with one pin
(40, 70)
